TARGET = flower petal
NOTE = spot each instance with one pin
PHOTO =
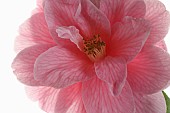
(129, 37)
(96, 3)
(61, 67)
(39, 7)
(159, 18)
(59, 13)
(71, 33)
(149, 72)
(23, 64)
(137, 9)
(162, 45)
(92, 21)
(40, 3)
(113, 71)
(33, 31)
(98, 99)
(70, 100)
(46, 96)
(154, 103)
(51, 100)
(115, 10)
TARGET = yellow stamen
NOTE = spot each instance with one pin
(94, 48)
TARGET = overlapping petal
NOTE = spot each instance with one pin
(51, 100)
(154, 103)
(70, 100)
(149, 72)
(136, 9)
(115, 10)
(98, 99)
(128, 38)
(92, 21)
(39, 8)
(33, 31)
(60, 13)
(96, 3)
(46, 96)
(162, 45)
(60, 67)
(159, 18)
(40, 3)
(71, 33)
(23, 64)
(113, 71)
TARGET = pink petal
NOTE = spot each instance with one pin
(137, 9)
(154, 103)
(46, 96)
(51, 100)
(39, 8)
(61, 67)
(162, 45)
(129, 37)
(159, 18)
(149, 72)
(98, 99)
(71, 33)
(70, 100)
(92, 21)
(34, 31)
(96, 3)
(60, 13)
(40, 3)
(115, 10)
(23, 64)
(113, 71)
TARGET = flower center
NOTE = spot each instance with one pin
(94, 48)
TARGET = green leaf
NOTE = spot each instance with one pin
(167, 99)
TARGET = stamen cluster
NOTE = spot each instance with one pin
(94, 48)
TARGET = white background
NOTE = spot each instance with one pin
(12, 96)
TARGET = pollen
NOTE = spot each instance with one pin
(94, 48)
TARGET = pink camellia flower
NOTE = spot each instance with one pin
(98, 56)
